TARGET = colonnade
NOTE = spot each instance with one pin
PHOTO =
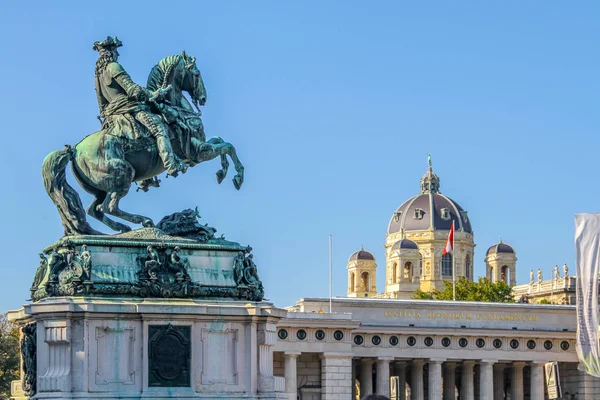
(479, 379)
(442, 379)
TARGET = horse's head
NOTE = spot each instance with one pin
(192, 80)
(181, 72)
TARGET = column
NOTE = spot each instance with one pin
(516, 381)
(449, 381)
(435, 378)
(476, 379)
(366, 377)
(401, 372)
(266, 340)
(467, 385)
(486, 383)
(416, 380)
(537, 381)
(498, 381)
(291, 384)
(336, 376)
(383, 376)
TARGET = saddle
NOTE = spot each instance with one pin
(130, 134)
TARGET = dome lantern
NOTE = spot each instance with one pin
(430, 182)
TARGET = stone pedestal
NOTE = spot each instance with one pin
(101, 348)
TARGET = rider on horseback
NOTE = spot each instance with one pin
(121, 103)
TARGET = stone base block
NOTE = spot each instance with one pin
(100, 348)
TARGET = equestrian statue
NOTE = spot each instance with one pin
(145, 132)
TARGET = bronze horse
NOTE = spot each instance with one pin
(106, 165)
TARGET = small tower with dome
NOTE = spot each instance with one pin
(501, 263)
(362, 274)
(425, 220)
(404, 268)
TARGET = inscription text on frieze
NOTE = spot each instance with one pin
(461, 316)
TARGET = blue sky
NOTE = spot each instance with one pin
(332, 107)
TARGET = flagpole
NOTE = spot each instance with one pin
(453, 265)
(330, 271)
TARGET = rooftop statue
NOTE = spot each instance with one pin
(145, 132)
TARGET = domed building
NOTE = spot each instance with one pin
(416, 237)
(391, 344)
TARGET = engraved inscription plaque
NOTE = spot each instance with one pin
(169, 353)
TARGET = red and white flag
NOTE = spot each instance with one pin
(450, 242)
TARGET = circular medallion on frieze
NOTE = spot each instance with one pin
(301, 334)
(531, 344)
(428, 341)
(548, 344)
(394, 340)
(480, 343)
(282, 334)
(338, 335)
(446, 342)
(564, 345)
(497, 343)
(376, 340)
(358, 340)
(463, 342)
(514, 344)
(320, 334)
(411, 341)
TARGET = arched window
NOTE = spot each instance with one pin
(468, 272)
(366, 281)
(352, 279)
(447, 264)
(408, 270)
(505, 274)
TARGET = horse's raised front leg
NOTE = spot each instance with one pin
(222, 173)
(207, 151)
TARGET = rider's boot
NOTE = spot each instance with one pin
(172, 163)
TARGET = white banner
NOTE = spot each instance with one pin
(587, 247)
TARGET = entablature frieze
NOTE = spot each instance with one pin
(468, 345)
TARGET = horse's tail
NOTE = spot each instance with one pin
(65, 198)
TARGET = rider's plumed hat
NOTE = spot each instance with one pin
(108, 44)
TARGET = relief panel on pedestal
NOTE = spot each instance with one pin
(115, 356)
(219, 357)
(115, 362)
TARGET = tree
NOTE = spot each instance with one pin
(466, 290)
(9, 355)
